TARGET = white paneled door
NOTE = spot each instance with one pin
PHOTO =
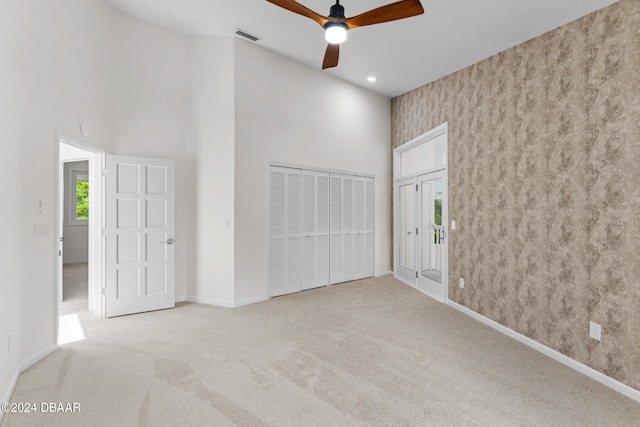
(139, 233)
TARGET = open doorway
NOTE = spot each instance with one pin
(131, 230)
(79, 223)
(74, 247)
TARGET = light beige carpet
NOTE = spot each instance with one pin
(367, 353)
(74, 288)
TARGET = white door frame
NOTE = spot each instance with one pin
(96, 156)
(403, 180)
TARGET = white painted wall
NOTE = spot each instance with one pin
(65, 59)
(76, 237)
(288, 112)
(149, 88)
(211, 125)
(10, 216)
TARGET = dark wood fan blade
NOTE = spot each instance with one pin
(391, 12)
(331, 56)
(296, 7)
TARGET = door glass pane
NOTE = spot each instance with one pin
(432, 238)
(407, 227)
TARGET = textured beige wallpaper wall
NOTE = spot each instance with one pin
(544, 183)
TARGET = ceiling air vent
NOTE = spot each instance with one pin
(246, 35)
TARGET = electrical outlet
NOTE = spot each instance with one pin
(462, 283)
(453, 225)
(10, 342)
(595, 331)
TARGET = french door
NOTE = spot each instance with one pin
(421, 244)
(406, 230)
(432, 243)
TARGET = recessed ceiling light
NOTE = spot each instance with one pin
(371, 79)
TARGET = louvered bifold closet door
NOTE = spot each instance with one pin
(369, 226)
(347, 228)
(358, 225)
(322, 229)
(293, 211)
(308, 230)
(315, 229)
(335, 244)
(277, 235)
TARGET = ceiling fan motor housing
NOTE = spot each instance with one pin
(336, 11)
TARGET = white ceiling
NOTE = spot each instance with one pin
(402, 55)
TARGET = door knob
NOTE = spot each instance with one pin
(169, 241)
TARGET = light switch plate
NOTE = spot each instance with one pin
(462, 283)
(453, 224)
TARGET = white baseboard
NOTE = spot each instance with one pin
(27, 363)
(207, 301)
(226, 303)
(384, 273)
(75, 261)
(12, 386)
(181, 298)
(250, 301)
(555, 355)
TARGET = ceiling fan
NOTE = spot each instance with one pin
(336, 25)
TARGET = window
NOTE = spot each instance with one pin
(78, 213)
(425, 156)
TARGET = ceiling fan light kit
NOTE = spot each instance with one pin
(336, 24)
(335, 32)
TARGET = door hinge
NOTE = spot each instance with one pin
(416, 274)
(416, 187)
(416, 231)
(104, 232)
(104, 291)
(104, 172)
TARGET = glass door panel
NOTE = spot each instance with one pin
(433, 249)
(433, 235)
